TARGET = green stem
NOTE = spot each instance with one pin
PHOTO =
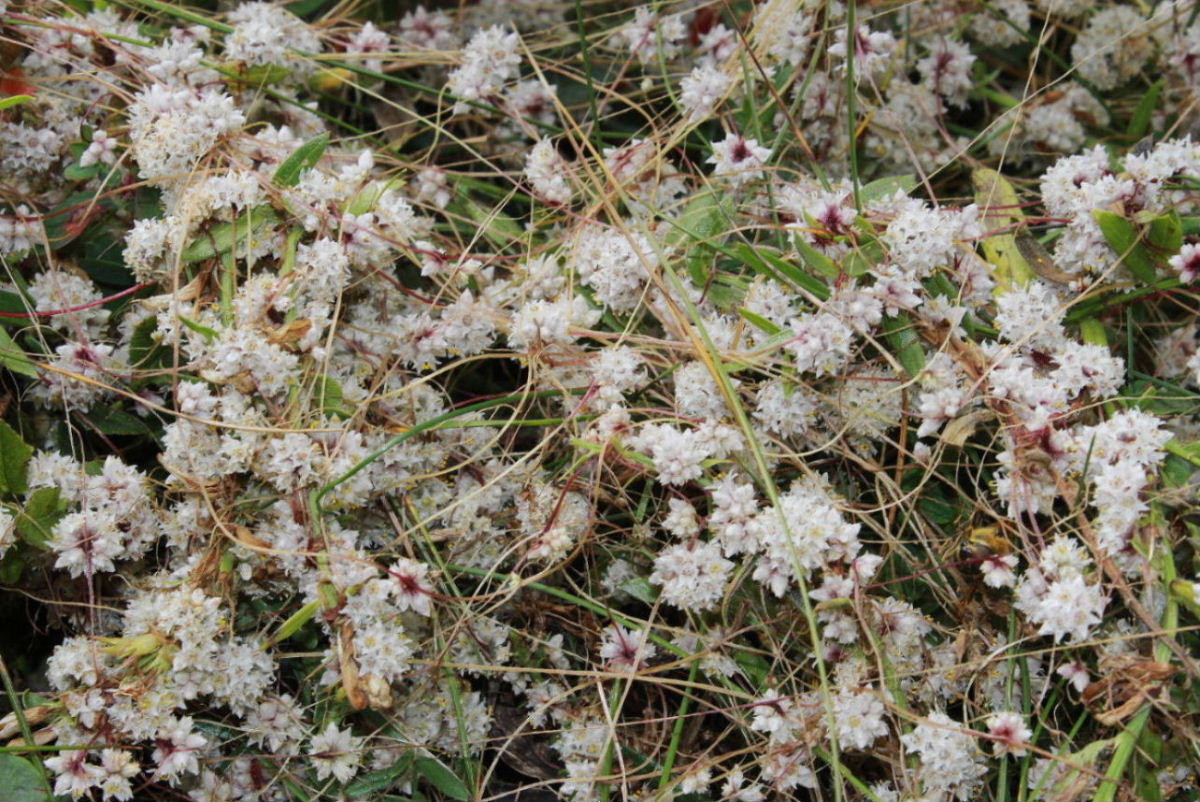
(18, 709)
(677, 731)
(605, 765)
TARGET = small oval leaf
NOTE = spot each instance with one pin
(304, 158)
(1122, 237)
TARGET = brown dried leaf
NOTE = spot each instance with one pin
(290, 332)
(1127, 683)
(9, 726)
(959, 429)
(349, 667)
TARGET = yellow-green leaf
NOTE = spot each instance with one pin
(1001, 210)
(886, 187)
(14, 100)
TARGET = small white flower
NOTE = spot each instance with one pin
(412, 590)
(336, 752)
(626, 650)
(701, 91)
(739, 158)
(121, 768)
(488, 61)
(1075, 673)
(547, 172)
(75, 776)
(1010, 733)
(692, 575)
(102, 150)
(773, 715)
(1187, 262)
(176, 748)
(859, 718)
(950, 765)
(999, 570)
(1070, 607)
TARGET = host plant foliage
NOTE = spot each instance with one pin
(734, 400)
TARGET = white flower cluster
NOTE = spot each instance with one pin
(679, 454)
(950, 759)
(1057, 594)
(266, 34)
(489, 61)
(171, 128)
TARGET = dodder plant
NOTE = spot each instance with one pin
(591, 401)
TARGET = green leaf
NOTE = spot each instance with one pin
(886, 187)
(74, 172)
(1150, 754)
(1122, 237)
(365, 199)
(295, 790)
(376, 781)
(1190, 226)
(263, 75)
(747, 254)
(704, 221)
(1001, 212)
(13, 357)
(1092, 331)
(1176, 471)
(705, 218)
(903, 338)
(442, 778)
(294, 623)
(1139, 122)
(772, 265)
(112, 421)
(12, 567)
(327, 392)
(1164, 235)
(35, 523)
(938, 510)
(722, 295)
(199, 328)
(102, 255)
(304, 158)
(20, 781)
(815, 259)
(866, 257)
(640, 588)
(1189, 452)
(145, 352)
(302, 8)
(500, 229)
(14, 100)
(12, 303)
(755, 665)
(14, 459)
(225, 237)
(759, 322)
